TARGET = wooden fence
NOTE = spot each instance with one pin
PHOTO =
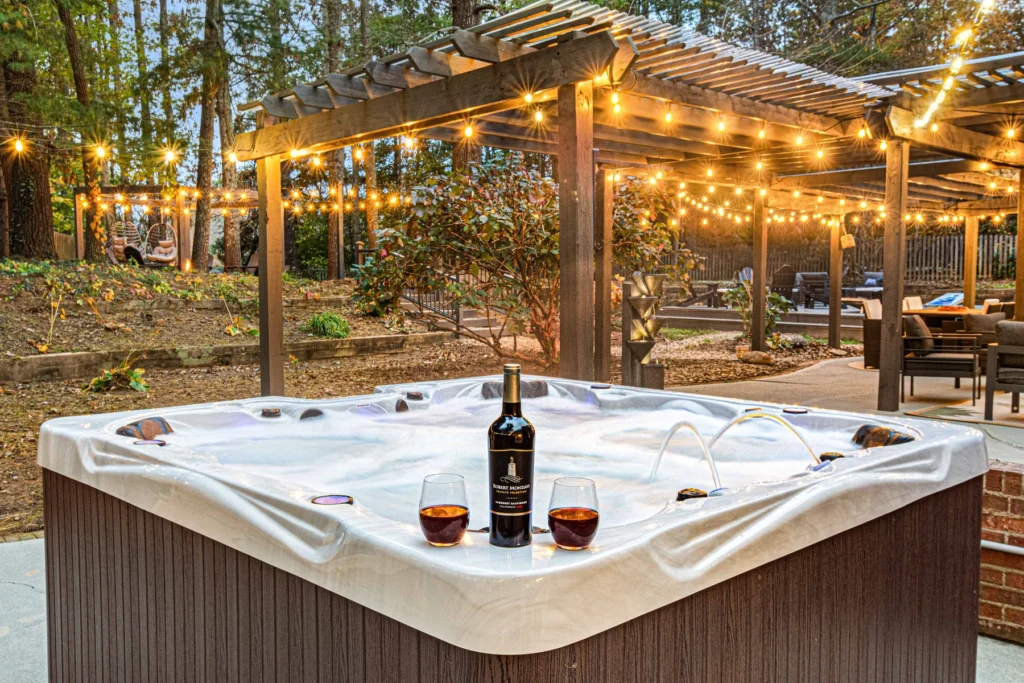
(929, 258)
(65, 245)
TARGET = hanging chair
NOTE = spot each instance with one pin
(125, 242)
(161, 245)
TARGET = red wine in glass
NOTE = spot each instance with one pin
(444, 525)
(573, 528)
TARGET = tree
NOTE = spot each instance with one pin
(336, 159)
(369, 152)
(232, 246)
(466, 153)
(165, 73)
(211, 69)
(27, 175)
(142, 84)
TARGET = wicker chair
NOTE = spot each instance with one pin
(125, 243)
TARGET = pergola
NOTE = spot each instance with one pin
(608, 92)
(175, 204)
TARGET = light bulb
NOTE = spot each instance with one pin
(468, 131)
(233, 158)
(528, 97)
(668, 117)
(538, 116)
(19, 146)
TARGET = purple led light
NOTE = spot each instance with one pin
(333, 499)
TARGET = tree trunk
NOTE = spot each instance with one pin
(123, 159)
(165, 74)
(370, 168)
(276, 11)
(204, 166)
(232, 246)
(5, 229)
(95, 233)
(464, 153)
(142, 63)
(336, 159)
(27, 176)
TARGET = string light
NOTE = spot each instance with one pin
(538, 116)
(170, 156)
(19, 145)
(233, 158)
(528, 97)
(962, 42)
(101, 152)
(468, 131)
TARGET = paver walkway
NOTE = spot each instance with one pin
(835, 385)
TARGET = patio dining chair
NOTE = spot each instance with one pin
(926, 354)
(912, 303)
(991, 306)
(1005, 371)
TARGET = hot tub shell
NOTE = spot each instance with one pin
(821, 566)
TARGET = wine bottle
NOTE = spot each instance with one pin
(510, 450)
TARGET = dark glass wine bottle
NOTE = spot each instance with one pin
(510, 448)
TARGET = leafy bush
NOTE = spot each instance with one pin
(487, 239)
(778, 305)
(124, 375)
(327, 324)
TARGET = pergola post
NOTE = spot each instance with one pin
(271, 251)
(605, 204)
(79, 228)
(894, 259)
(181, 226)
(758, 284)
(1018, 295)
(576, 229)
(835, 279)
(970, 261)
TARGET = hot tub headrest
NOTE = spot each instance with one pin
(872, 436)
(145, 430)
(527, 389)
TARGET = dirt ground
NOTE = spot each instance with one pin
(701, 357)
(26, 302)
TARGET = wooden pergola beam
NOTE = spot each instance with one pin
(954, 139)
(986, 207)
(872, 174)
(494, 88)
(703, 98)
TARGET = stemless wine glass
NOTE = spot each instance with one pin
(573, 513)
(444, 512)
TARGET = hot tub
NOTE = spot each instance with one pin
(205, 551)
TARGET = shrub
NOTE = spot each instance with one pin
(778, 305)
(327, 324)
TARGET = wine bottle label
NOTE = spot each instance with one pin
(511, 481)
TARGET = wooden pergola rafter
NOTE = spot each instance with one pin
(606, 92)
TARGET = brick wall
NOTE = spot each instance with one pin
(1001, 612)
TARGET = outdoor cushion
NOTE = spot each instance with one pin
(872, 278)
(943, 355)
(985, 325)
(166, 243)
(913, 326)
(1012, 375)
(1010, 333)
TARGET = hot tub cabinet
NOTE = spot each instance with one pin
(204, 560)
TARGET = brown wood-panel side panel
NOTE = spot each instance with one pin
(134, 597)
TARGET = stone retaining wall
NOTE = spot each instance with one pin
(90, 363)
